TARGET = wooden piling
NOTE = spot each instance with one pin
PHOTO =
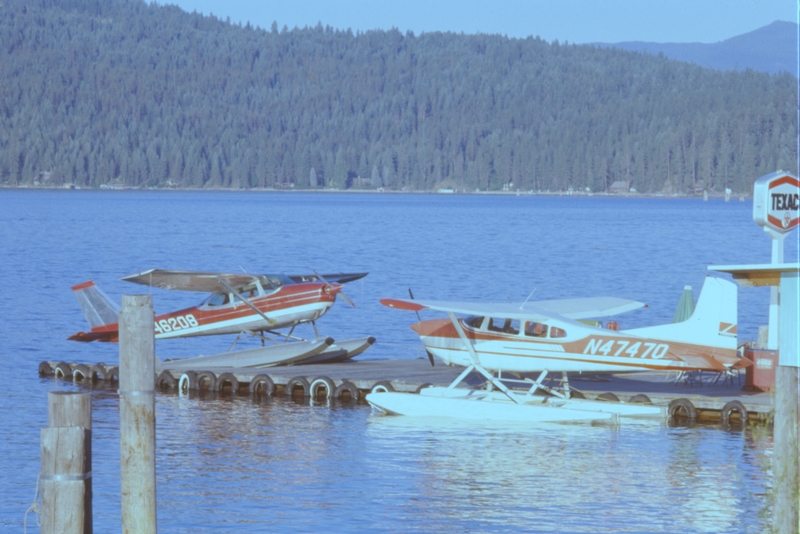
(66, 464)
(137, 414)
(786, 468)
(62, 481)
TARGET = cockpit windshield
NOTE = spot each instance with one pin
(263, 285)
(274, 281)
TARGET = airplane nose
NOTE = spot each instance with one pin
(336, 290)
(433, 327)
(331, 289)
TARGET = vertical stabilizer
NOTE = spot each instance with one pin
(97, 307)
(713, 322)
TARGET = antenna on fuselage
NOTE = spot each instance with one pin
(527, 299)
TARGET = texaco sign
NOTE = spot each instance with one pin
(776, 201)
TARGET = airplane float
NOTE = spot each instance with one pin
(555, 336)
(238, 303)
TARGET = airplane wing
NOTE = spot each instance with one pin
(587, 308)
(202, 282)
(337, 278)
(575, 309)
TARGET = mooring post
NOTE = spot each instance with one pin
(786, 468)
(66, 464)
(137, 419)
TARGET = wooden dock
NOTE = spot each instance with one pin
(708, 393)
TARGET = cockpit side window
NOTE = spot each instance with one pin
(534, 329)
(474, 321)
(220, 299)
(511, 326)
(505, 326)
(557, 332)
(251, 291)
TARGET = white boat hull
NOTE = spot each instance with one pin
(340, 351)
(621, 409)
(284, 354)
(477, 406)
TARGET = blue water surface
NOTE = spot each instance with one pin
(236, 465)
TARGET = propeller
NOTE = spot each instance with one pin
(430, 356)
(341, 293)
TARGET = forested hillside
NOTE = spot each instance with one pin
(120, 91)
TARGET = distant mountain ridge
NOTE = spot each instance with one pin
(772, 49)
(130, 93)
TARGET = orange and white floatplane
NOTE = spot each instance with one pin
(239, 303)
(559, 336)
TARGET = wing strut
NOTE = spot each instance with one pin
(229, 288)
(476, 364)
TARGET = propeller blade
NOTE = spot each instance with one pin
(319, 277)
(410, 294)
(346, 298)
(430, 356)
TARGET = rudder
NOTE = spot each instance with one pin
(96, 306)
(713, 322)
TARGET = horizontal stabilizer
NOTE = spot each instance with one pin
(87, 337)
(705, 363)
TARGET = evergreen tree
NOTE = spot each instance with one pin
(149, 95)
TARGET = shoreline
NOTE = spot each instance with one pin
(733, 197)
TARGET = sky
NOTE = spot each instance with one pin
(574, 21)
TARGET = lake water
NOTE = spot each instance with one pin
(237, 465)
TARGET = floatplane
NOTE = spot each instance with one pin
(563, 336)
(239, 303)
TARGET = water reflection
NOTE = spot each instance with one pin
(577, 478)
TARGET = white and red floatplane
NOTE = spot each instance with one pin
(557, 336)
(257, 304)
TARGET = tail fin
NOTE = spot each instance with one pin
(97, 307)
(712, 324)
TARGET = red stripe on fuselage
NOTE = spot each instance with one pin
(286, 298)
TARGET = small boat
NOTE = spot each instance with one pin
(622, 409)
(340, 351)
(322, 350)
(475, 405)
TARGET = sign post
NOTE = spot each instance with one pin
(776, 208)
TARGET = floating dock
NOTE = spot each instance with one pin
(710, 395)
